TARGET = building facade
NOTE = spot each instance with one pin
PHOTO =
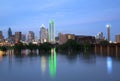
(117, 38)
(23, 37)
(51, 32)
(108, 32)
(43, 34)
(1, 36)
(31, 36)
(18, 37)
(99, 37)
(85, 39)
(63, 38)
(9, 32)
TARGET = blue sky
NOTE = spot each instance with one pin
(81, 17)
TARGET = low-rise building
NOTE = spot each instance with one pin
(85, 39)
(63, 38)
(117, 38)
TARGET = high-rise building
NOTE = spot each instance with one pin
(31, 36)
(1, 36)
(43, 34)
(23, 37)
(100, 36)
(51, 32)
(117, 38)
(18, 37)
(108, 32)
(9, 32)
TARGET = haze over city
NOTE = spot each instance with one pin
(81, 17)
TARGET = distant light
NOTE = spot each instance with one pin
(43, 64)
(109, 65)
(108, 26)
(110, 42)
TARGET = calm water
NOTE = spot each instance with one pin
(59, 67)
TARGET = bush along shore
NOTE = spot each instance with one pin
(69, 46)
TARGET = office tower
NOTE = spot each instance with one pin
(43, 34)
(31, 36)
(9, 32)
(117, 38)
(51, 32)
(100, 36)
(18, 37)
(108, 32)
(23, 38)
(1, 36)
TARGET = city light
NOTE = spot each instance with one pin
(109, 65)
(52, 63)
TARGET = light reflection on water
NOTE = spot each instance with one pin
(52, 63)
(43, 64)
(58, 67)
(109, 65)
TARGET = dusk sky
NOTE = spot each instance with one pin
(81, 17)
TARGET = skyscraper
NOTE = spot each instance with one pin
(108, 32)
(100, 36)
(43, 34)
(17, 37)
(51, 32)
(9, 32)
(117, 38)
(23, 37)
(1, 36)
(31, 36)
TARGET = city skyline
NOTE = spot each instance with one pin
(81, 17)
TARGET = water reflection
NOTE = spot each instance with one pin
(43, 64)
(1, 55)
(52, 63)
(109, 65)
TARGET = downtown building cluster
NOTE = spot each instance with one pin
(48, 35)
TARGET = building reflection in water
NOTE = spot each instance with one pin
(43, 64)
(1, 55)
(109, 65)
(10, 53)
(52, 63)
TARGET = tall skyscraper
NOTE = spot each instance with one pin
(23, 37)
(31, 36)
(108, 32)
(18, 37)
(1, 36)
(51, 32)
(9, 32)
(43, 34)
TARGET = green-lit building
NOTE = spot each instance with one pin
(51, 32)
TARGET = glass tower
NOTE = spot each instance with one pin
(51, 32)
(108, 32)
(9, 32)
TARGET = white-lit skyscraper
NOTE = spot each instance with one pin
(108, 32)
(43, 34)
(51, 32)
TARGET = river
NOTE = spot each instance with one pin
(58, 67)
